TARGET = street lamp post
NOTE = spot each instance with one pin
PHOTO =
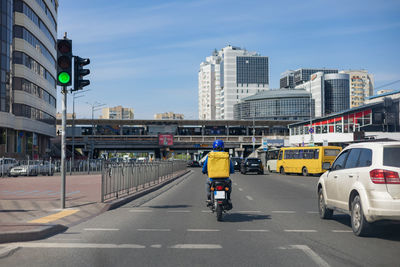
(311, 130)
(74, 96)
(95, 106)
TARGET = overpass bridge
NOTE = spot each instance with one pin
(93, 137)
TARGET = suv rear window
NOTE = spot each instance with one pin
(391, 156)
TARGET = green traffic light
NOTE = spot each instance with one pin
(64, 77)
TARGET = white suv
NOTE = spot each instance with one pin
(363, 182)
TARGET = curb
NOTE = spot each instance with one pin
(122, 201)
(46, 230)
(42, 231)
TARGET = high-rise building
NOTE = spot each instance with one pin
(168, 116)
(228, 76)
(287, 79)
(303, 75)
(27, 77)
(117, 113)
(361, 86)
(330, 92)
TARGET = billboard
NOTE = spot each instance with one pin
(166, 139)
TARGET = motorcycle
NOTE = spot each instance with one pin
(219, 198)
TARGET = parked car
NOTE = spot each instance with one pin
(236, 163)
(252, 165)
(364, 182)
(193, 163)
(33, 168)
(6, 164)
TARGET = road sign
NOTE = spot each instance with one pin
(311, 130)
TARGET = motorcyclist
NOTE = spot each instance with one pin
(218, 146)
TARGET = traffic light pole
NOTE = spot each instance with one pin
(63, 145)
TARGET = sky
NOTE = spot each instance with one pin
(145, 54)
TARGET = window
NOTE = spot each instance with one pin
(390, 156)
(340, 161)
(280, 155)
(331, 152)
(353, 158)
(316, 153)
(365, 159)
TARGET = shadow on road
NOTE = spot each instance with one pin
(382, 230)
(170, 206)
(243, 217)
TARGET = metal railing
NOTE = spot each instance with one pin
(121, 179)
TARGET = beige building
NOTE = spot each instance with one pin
(168, 116)
(361, 86)
(117, 113)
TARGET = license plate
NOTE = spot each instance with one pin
(219, 194)
(254, 164)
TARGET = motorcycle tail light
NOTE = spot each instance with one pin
(220, 187)
(212, 188)
(226, 188)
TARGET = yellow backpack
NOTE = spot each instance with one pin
(218, 164)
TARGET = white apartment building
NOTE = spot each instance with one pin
(361, 86)
(228, 76)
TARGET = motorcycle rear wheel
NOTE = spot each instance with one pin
(219, 212)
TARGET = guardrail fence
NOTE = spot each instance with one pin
(121, 179)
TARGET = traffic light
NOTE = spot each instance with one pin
(64, 62)
(79, 72)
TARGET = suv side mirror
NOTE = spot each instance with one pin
(326, 166)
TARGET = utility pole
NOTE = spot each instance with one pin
(74, 96)
(95, 106)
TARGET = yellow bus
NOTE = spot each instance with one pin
(305, 160)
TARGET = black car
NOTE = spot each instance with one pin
(236, 163)
(252, 165)
(193, 163)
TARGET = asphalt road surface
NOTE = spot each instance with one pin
(274, 222)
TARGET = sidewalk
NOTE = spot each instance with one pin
(30, 207)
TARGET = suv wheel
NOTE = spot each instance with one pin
(304, 171)
(282, 171)
(358, 223)
(324, 212)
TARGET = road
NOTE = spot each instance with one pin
(274, 222)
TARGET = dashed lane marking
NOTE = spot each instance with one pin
(140, 211)
(55, 217)
(178, 211)
(203, 230)
(197, 246)
(249, 197)
(312, 212)
(240, 189)
(154, 230)
(300, 231)
(156, 246)
(283, 211)
(234, 183)
(72, 245)
(310, 253)
(249, 211)
(101, 229)
(342, 231)
(252, 230)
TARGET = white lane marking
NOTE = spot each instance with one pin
(203, 230)
(101, 229)
(140, 211)
(312, 212)
(240, 189)
(207, 211)
(73, 245)
(4, 252)
(314, 256)
(300, 231)
(234, 183)
(67, 239)
(197, 246)
(154, 230)
(256, 230)
(156, 246)
(342, 231)
(283, 211)
(249, 211)
(249, 198)
(178, 211)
